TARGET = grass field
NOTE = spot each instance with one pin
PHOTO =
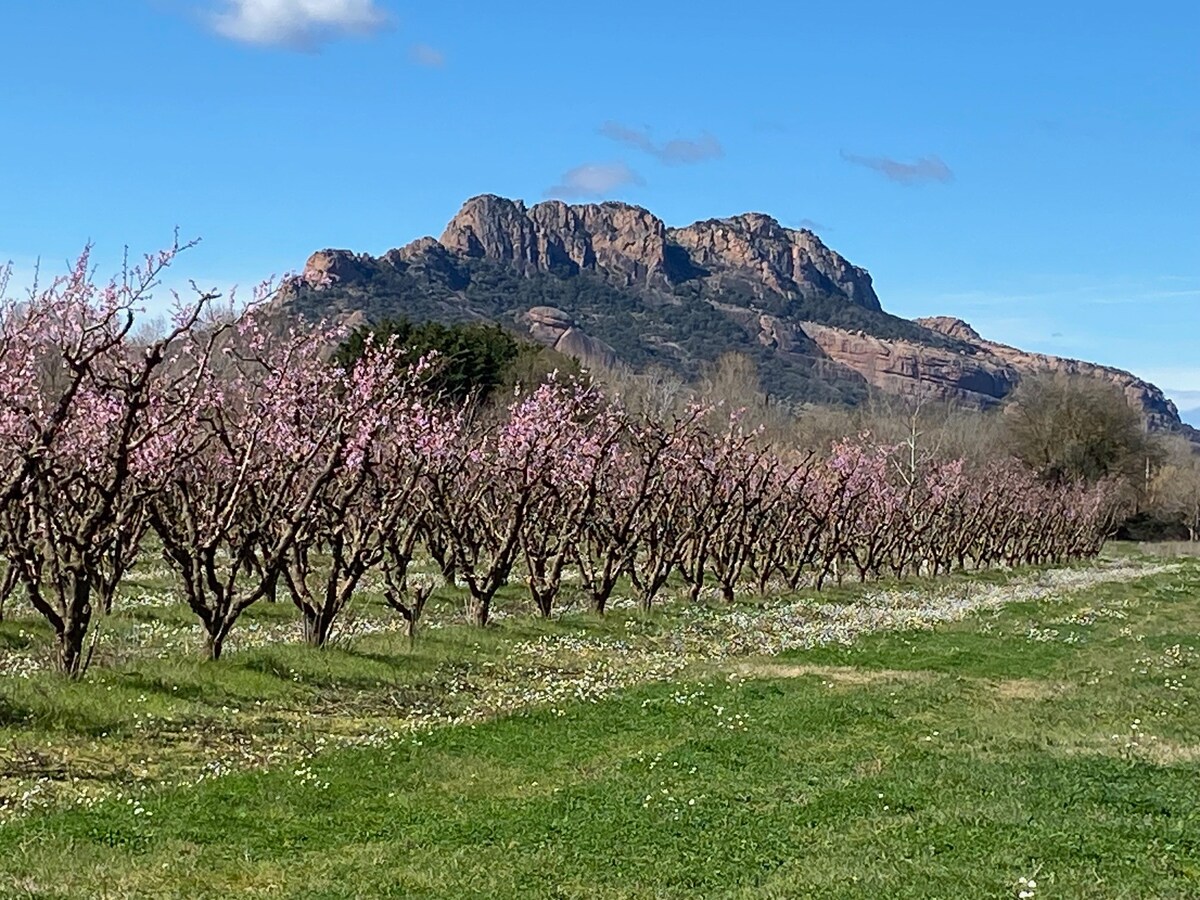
(923, 740)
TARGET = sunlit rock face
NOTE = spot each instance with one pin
(609, 283)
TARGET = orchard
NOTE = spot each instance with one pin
(259, 464)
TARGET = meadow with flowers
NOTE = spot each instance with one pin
(276, 625)
(966, 736)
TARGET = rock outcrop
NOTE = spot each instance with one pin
(980, 378)
(557, 330)
(630, 246)
(951, 327)
(328, 267)
(624, 243)
(919, 371)
(610, 283)
(1159, 412)
(768, 258)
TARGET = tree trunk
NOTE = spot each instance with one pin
(69, 656)
(7, 587)
(647, 600)
(12, 580)
(215, 643)
(480, 610)
(603, 585)
(764, 578)
(317, 627)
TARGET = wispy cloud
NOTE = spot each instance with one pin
(1183, 380)
(677, 152)
(298, 24)
(1186, 401)
(594, 180)
(1102, 293)
(1181, 384)
(1117, 299)
(424, 55)
(925, 170)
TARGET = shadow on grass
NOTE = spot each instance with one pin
(13, 713)
(20, 634)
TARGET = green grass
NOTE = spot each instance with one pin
(934, 763)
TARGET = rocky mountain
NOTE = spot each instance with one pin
(979, 378)
(632, 248)
(612, 284)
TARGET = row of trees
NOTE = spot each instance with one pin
(261, 464)
(1065, 427)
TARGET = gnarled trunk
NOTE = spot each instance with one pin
(69, 657)
(479, 610)
(317, 626)
(71, 627)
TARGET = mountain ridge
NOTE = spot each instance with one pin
(612, 284)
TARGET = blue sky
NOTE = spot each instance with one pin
(1030, 167)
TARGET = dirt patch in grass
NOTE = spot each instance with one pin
(841, 675)
(1027, 689)
(1169, 753)
(1149, 749)
(1020, 689)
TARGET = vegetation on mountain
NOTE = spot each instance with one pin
(468, 360)
(681, 331)
(645, 296)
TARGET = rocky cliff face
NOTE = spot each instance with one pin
(1159, 411)
(627, 246)
(610, 283)
(625, 243)
(767, 258)
(632, 247)
(919, 371)
(326, 267)
(979, 378)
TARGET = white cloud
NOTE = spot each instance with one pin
(298, 24)
(594, 180)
